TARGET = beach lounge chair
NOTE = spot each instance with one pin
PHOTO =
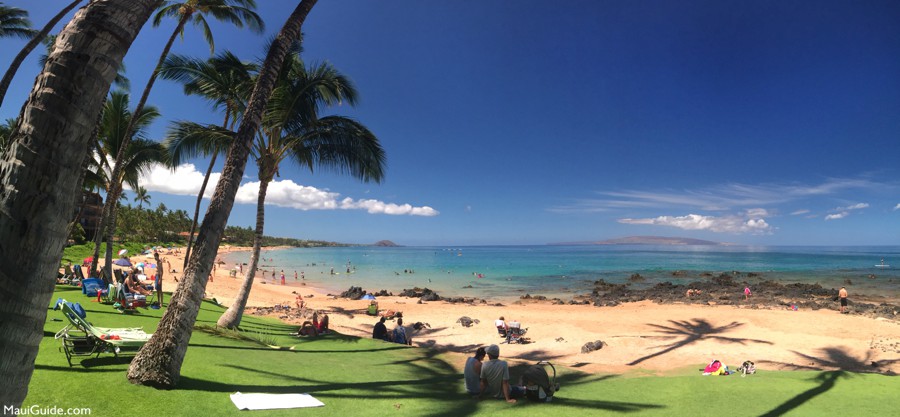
(96, 340)
(127, 300)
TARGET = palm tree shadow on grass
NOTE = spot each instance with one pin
(431, 378)
(833, 358)
(689, 332)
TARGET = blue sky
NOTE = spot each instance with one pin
(526, 122)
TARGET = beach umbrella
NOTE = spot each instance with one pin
(89, 259)
(122, 262)
(368, 297)
(123, 252)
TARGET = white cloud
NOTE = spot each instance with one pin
(799, 212)
(858, 206)
(719, 224)
(897, 207)
(836, 216)
(186, 180)
(757, 212)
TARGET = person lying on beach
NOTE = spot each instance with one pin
(307, 329)
(390, 314)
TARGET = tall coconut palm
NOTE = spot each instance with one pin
(236, 12)
(36, 38)
(141, 197)
(140, 154)
(293, 130)
(226, 82)
(36, 187)
(158, 363)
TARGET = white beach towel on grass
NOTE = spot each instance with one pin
(273, 401)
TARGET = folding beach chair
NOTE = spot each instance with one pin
(96, 340)
(516, 334)
(91, 286)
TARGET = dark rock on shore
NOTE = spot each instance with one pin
(423, 294)
(725, 289)
(354, 293)
(592, 346)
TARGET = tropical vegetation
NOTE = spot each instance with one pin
(235, 12)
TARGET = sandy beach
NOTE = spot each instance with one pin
(637, 336)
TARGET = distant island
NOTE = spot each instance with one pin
(386, 243)
(648, 240)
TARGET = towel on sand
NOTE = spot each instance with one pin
(273, 401)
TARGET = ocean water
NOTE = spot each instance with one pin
(498, 272)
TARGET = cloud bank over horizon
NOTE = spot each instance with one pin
(186, 180)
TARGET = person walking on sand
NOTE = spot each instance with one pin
(747, 293)
(282, 277)
(842, 294)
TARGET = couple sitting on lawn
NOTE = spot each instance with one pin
(491, 377)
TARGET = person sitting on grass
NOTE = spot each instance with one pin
(400, 334)
(472, 372)
(495, 378)
(380, 331)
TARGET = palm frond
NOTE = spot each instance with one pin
(341, 145)
(186, 140)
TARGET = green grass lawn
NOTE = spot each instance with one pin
(364, 377)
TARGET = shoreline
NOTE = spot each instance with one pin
(638, 335)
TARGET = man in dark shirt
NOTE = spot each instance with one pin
(380, 331)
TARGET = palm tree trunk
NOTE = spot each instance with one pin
(33, 43)
(187, 251)
(158, 363)
(231, 318)
(39, 171)
(212, 163)
(115, 187)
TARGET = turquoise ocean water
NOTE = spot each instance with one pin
(511, 271)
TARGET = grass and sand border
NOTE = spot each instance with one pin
(362, 377)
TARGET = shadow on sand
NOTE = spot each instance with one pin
(688, 332)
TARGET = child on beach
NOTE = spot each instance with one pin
(747, 293)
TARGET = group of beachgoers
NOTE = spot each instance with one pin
(490, 378)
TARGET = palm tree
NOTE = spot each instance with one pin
(293, 130)
(36, 38)
(14, 23)
(158, 363)
(226, 82)
(37, 187)
(6, 130)
(139, 153)
(236, 12)
(141, 197)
